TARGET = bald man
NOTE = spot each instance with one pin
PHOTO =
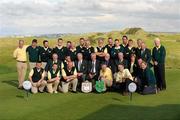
(20, 55)
(158, 57)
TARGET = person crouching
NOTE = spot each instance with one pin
(36, 77)
(53, 79)
(122, 79)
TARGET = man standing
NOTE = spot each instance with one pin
(110, 46)
(88, 50)
(158, 57)
(116, 49)
(36, 77)
(129, 50)
(80, 48)
(101, 50)
(60, 50)
(146, 54)
(138, 49)
(45, 53)
(124, 42)
(72, 52)
(20, 56)
(33, 52)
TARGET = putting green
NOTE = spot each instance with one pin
(15, 106)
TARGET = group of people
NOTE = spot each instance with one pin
(117, 64)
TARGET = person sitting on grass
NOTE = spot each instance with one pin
(53, 79)
(36, 77)
(122, 79)
(106, 75)
(148, 80)
(69, 75)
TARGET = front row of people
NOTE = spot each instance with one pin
(63, 76)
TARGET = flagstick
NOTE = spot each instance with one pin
(130, 96)
(27, 94)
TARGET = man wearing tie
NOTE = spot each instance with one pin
(121, 60)
(146, 54)
(81, 67)
(109, 62)
(93, 69)
(53, 61)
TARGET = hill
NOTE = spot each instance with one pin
(170, 40)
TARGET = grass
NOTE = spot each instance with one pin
(164, 106)
(15, 105)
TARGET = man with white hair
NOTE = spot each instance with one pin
(158, 57)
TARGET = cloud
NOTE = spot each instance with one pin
(77, 16)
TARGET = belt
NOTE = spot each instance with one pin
(21, 61)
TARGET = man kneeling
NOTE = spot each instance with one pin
(122, 79)
(36, 77)
(69, 75)
(106, 75)
(53, 79)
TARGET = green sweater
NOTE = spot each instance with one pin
(148, 77)
(159, 54)
(33, 53)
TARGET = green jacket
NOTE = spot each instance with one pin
(159, 54)
(148, 77)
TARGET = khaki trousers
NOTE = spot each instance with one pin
(52, 87)
(65, 85)
(32, 65)
(21, 69)
(40, 87)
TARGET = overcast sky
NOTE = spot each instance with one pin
(80, 16)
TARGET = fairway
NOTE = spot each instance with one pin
(15, 106)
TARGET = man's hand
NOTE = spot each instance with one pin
(90, 75)
(79, 74)
(155, 63)
(33, 84)
(57, 78)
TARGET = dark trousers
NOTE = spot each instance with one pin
(159, 71)
(80, 80)
(122, 87)
(93, 80)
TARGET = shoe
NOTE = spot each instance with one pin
(55, 92)
(41, 91)
(20, 87)
(125, 93)
(74, 91)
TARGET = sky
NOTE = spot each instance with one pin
(27, 17)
